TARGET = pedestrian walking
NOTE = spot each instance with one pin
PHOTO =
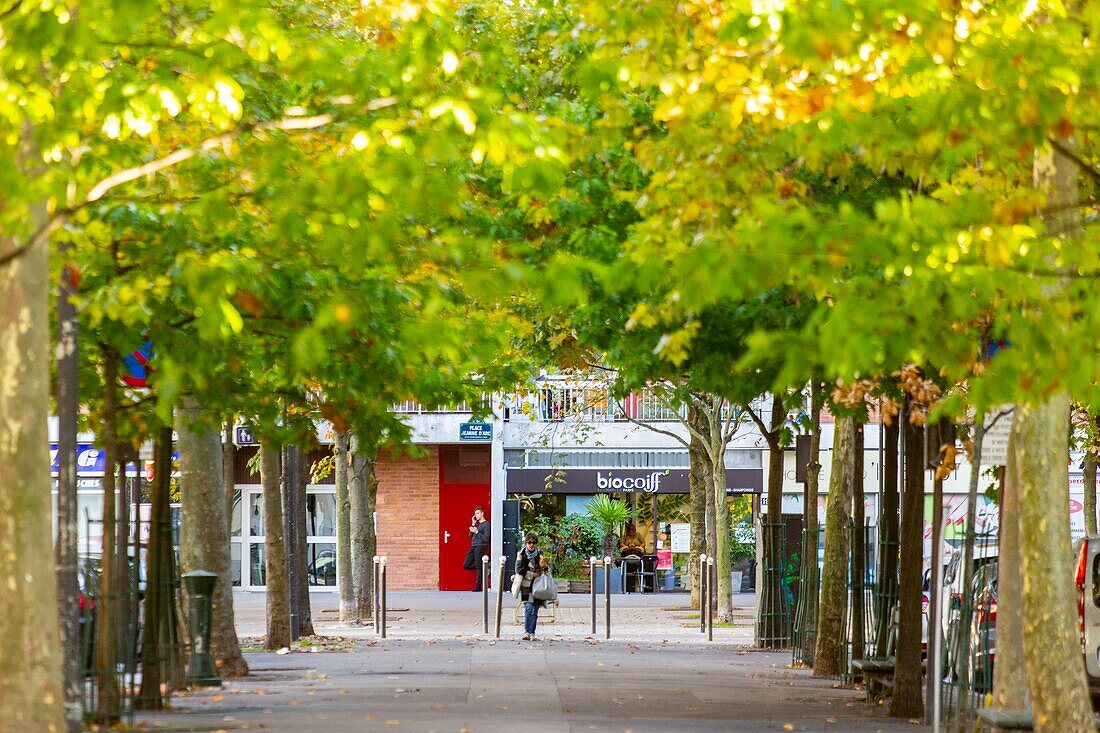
(530, 563)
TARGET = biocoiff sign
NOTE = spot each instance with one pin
(624, 480)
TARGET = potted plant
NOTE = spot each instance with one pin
(611, 514)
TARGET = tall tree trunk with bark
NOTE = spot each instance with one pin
(699, 490)
(1010, 672)
(1052, 648)
(65, 548)
(811, 581)
(363, 488)
(722, 532)
(908, 699)
(889, 534)
(31, 696)
(859, 548)
(108, 695)
(301, 527)
(834, 572)
(1088, 471)
(275, 560)
(204, 532)
(159, 599)
(229, 476)
(343, 528)
(773, 633)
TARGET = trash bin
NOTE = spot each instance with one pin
(199, 585)
(735, 580)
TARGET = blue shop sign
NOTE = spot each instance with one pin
(475, 431)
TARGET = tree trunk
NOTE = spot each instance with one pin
(301, 526)
(1052, 647)
(159, 599)
(275, 561)
(722, 549)
(1010, 673)
(108, 699)
(908, 699)
(888, 533)
(343, 528)
(204, 532)
(65, 549)
(699, 490)
(859, 548)
(30, 663)
(362, 487)
(834, 572)
(1088, 471)
(811, 581)
(772, 601)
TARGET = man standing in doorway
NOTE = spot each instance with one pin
(479, 544)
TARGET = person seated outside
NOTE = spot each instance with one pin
(632, 542)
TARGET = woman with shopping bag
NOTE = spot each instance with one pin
(532, 583)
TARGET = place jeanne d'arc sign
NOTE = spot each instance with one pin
(478, 431)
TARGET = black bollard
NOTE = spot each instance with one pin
(382, 602)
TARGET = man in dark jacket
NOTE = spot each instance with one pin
(479, 544)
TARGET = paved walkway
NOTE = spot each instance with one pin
(438, 671)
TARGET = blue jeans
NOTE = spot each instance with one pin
(530, 616)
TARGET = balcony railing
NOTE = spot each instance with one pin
(412, 407)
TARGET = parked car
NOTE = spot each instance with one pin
(979, 634)
(1087, 580)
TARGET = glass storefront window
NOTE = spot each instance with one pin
(256, 515)
(235, 516)
(321, 569)
(235, 563)
(258, 575)
(321, 515)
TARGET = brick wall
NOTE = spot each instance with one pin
(408, 520)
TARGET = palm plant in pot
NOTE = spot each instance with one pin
(611, 514)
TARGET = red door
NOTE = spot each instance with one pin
(456, 509)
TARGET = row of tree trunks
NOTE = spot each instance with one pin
(30, 663)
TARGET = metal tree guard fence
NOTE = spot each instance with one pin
(781, 575)
(861, 594)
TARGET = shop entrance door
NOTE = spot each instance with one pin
(456, 508)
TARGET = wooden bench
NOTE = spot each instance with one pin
(878, 676)
(1011, 719)
(878, 672)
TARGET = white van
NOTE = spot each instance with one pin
(1087, 580)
